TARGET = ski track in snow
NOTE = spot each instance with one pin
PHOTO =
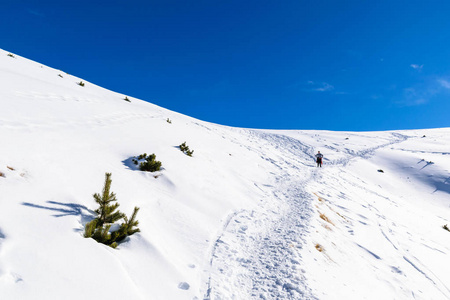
(258, 253)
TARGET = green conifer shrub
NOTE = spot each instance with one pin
(89, 228)
(185, 149)
(106, 212)
(81, 83)
(11, 55)
(99, 228)
(126, 99)
(127, 228)
(446, 227)
(169, 121)
(147, 162)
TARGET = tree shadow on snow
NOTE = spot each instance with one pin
(130, 164)
(443, 186)
(427, 163)
(67, 209)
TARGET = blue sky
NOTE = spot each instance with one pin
(335, 65)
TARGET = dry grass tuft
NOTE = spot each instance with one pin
(325, 218)
(318, 197)
(319, 247)
(11, 168)
(2, 175)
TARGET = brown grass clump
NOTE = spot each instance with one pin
(2, 175)
(11, 168)
(318, 197)
(325, 218)
(319, 247)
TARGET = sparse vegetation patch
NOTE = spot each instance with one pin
(446, 227)
(81, 83)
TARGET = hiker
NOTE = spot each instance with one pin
(319, 157)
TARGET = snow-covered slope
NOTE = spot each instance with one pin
(249, 216)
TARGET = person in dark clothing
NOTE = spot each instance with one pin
(319, 157)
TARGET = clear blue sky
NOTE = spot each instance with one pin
(336, 65)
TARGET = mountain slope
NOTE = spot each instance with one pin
(244, 218)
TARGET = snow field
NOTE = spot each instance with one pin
(249, 216)
(386, 240)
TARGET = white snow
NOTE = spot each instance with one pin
(244, 218)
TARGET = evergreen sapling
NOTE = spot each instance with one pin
(107, 214)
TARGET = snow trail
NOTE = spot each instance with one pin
(258, 254)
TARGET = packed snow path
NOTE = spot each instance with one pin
(257, 253)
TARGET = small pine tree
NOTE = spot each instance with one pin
(99, 228)
(185, 149)
(126, 99)
(148, 162)
(106, 212)
(169, 121)
(81, 83)
(11, 55)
